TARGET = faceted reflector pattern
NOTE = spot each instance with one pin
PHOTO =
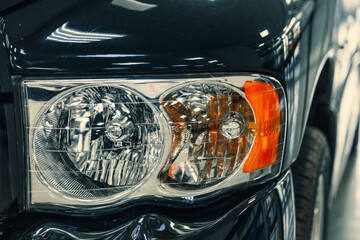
(210, 133)
(97, 141)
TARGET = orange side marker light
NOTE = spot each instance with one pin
(265, 102)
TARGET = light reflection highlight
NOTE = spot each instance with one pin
(133, 5)
(194, 58)
(264, 33)
(131, 63)
(110, 55)
(70, 35)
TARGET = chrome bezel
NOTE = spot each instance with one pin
(34, 164)
(151, 88)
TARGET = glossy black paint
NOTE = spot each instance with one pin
(264, 216)
(108, 37)
(8, 4)
(11, 170)
(171, 37)
(257, 217)
(164, 36)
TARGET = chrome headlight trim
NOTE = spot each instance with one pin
(150, 88)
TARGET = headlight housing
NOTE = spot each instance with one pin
(96, 143)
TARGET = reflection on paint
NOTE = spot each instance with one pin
(70, 35)
(133, 5)
(110, 55)
(194, 58)
(264, 33)
(131, 63)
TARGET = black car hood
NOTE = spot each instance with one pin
(143, 36)
(5, 5)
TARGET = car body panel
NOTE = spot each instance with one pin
(108, 37)
(169, 37)
(258, 216)
(337, 94)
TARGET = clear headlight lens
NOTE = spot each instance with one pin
(216, 127)
(97, 143)
(212, 130)
(94, 138)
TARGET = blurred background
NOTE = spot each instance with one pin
(344, 217)
(344, 222)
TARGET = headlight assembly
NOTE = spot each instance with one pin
(215, 127)
(96, 143)
(94, 138)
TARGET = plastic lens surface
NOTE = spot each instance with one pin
(210, 130)
(94, 144)
(94, 139)
(266, 104)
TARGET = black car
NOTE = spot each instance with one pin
(145, 119)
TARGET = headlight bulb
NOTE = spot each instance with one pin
(233, 125)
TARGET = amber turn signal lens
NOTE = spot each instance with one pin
(265, 103)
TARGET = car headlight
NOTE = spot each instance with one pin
(96, 143)
(94, 138)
